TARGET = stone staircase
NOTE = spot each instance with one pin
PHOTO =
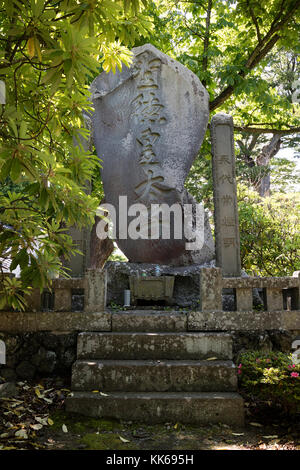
(155, 371)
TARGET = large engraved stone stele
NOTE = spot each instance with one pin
(149, 122)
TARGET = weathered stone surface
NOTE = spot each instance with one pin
(244, 300)
(186, 287)
(235, 321)
(148, 125)
(38, 354)
(186, 291)
(151, 288)
(274, 299)
(259, 282)
(210, 289)
(154, 376)
(63, 300)
(154, 346)
(291, 320)
(148, 321)
(184, 407)
(95, 290)
(71, 283)
(225, 199)
(49, 321)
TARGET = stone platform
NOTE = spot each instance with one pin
(156, 372)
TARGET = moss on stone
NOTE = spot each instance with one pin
(106, 441)
(82, 424)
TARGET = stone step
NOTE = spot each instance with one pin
(154, 376)
(181, 407)
(148, 321)
(93, 345)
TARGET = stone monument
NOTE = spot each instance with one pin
(148, 124)
(225, 198)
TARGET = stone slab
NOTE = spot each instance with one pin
(71, 283)
(54, 321)
(193, 408)
(154, 376)
(148, 321)
(260, 282)
(92, 345)
(239, 321)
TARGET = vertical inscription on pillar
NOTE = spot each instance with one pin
(148, 110)
(227, 237)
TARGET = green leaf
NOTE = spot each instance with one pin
(16, 169)
(5, 169)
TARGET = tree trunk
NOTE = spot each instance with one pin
(263, 160)
(100, 249)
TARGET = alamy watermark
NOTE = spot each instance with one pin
(157, 221)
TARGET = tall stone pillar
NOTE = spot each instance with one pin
(227, 238)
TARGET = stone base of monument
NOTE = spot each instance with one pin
(185, 288)
(149, 368)
(151, 288)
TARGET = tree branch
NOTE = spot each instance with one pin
(206, 39)
(254, 21)
(268, 130)
(259, 52)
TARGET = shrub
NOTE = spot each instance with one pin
(269, 232)
(271, 377)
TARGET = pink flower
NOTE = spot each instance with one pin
(239, 371)
(294, 374)
(257, 360)
(239, 366)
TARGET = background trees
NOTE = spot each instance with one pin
(246, 53)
